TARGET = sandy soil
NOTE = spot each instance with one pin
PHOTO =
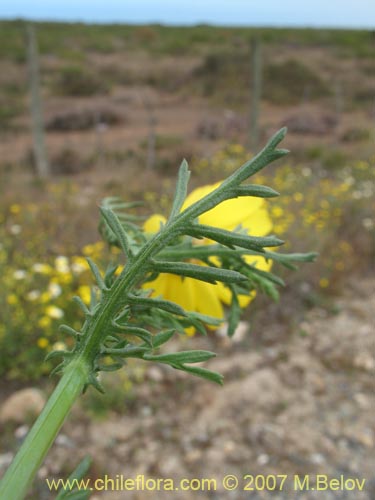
(300, 406)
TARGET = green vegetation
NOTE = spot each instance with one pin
(292, 81)
(79, 81)
(221, 54)
(62, 38)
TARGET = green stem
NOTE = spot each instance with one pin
(29, 458)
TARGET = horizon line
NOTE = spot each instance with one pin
(188, 24)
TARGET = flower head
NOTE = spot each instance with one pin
(246, 213)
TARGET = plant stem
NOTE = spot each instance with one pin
(29, 458)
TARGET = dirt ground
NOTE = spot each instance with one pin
(301, 406)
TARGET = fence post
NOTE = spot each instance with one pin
(255, 92)
(37, 125)
(151, 138)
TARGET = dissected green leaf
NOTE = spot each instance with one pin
(181, 189)
(232, 239)
(234, 314)
(255, 190)
(181, 357)
(202, 373)
(115, 225)
(162, 337)
(203, 273)
(165, 305)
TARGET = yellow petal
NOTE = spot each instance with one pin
(180, 290)
(227, 215)
(207, 299)
(244, 300)
(176, 289)
(259, 262)
(153, 223)
(225, 296)
(258, 223)
(157, 286)
(198, 194)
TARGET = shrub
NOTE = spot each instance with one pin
(289, 81)
(78, 81)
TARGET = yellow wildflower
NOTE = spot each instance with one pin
(12, 299)
(45, 297)
(15, 209)
(250, 214)
(65, 278)
(323, 282)
(277, 212)
(42, 342)
(79, 264)
(62, 264)
(85, 293)
(44, 322)
(54, 289)
(41, 268)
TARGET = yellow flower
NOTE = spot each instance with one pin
(54, 289)
(44, 322)
(62, 264)
(79, 265)
(45, 297)
(12, 299)
(277, 212)
(84, 292)
(323, 282)
(250, 214)
(15, 209)
(42, 342)
(41, 268)
(65, 278)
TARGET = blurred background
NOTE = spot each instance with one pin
(97, 102)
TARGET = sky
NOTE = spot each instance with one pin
(311, 13)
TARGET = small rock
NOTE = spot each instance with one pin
(364, 361)
(363, 401)
(21, 432)
(214, 455)
(365, 438)
(5, 460)
(317, 458)
(21, 405)
(169, 465)
(263, 459)
(64, 441)
(318, 384)
(239, 334)
(229, 447)
(146, 411)
(193, 456)
(155, 374)
(43, 472)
